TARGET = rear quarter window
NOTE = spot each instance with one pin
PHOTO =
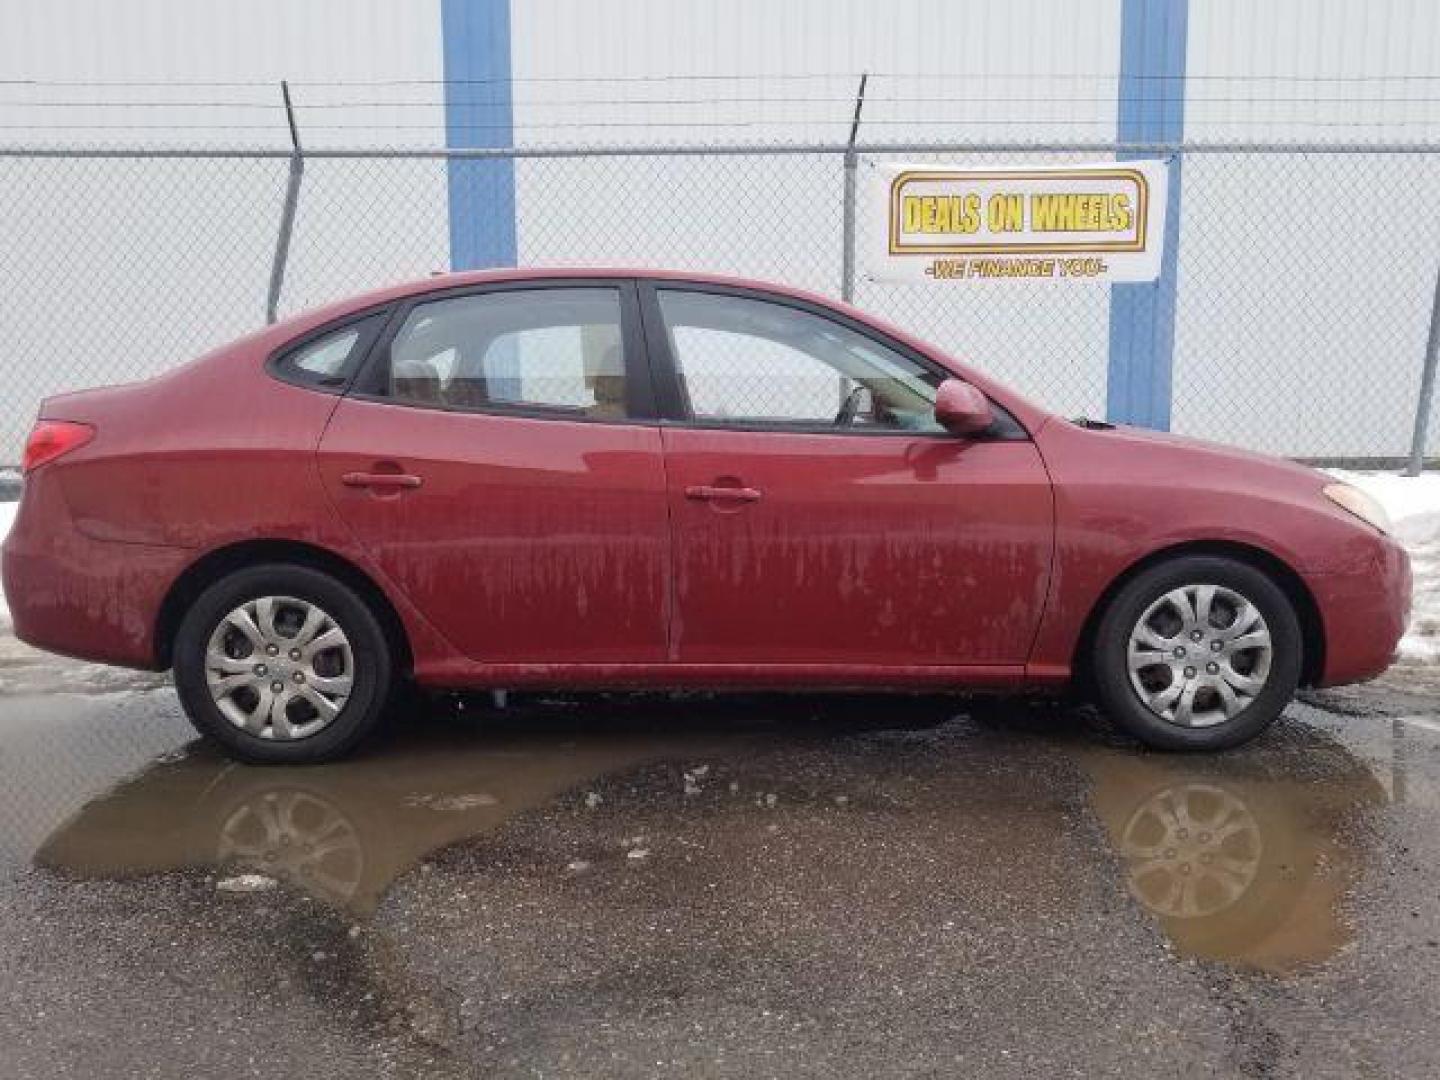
(329, 361)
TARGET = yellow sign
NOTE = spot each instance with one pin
(1079, 222)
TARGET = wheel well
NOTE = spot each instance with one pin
(1312, 631)
(205, 571)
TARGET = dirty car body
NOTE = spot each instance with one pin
(625, 479)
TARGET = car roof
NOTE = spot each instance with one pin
(442, 280)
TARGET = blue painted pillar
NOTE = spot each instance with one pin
(1151, 109)
(479, 112)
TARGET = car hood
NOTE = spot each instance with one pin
(1183, 451)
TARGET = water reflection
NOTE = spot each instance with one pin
(341, 833)
(1193, 850)
(1243, 857)
(298, 836)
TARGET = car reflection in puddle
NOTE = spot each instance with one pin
(1243, 857)
(342, 833)
(1239, 858)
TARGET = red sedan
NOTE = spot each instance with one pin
(630, 479)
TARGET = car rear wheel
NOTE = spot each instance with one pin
(1197, 653)
(282, 664)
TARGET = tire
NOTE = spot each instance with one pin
(329, 699)
(1239, 692)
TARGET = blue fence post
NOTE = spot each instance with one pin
(480, 113)
(1151, 109)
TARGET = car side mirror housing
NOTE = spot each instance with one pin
(961, 409)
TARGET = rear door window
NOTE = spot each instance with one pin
(554, 349)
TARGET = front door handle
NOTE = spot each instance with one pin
(712, 493)
(380, 480)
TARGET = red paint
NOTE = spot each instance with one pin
(961, 409)
(530, 541)
(546, 552)
(1124, 495)
(860, 549)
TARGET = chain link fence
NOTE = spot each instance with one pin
(1305, 286)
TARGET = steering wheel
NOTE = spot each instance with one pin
(851, 405)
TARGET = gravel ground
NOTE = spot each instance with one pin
(722, 887)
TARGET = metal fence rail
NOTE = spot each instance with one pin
(1307, 274)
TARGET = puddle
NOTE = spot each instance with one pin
(1245, 857)
(341, 833)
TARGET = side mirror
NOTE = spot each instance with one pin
(961, 409)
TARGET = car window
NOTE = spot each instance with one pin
(532, 348)
(749, 361)
(330, 360)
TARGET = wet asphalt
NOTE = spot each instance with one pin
(717, 886)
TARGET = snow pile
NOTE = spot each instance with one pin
(1413, 503)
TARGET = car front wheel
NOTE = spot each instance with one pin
(282, 664)
(1197, 653)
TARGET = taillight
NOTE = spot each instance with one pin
(49, 439)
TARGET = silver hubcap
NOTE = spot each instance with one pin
(279, 668)
(1199, 655)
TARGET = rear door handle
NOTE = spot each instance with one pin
(380, 480)
(710, 493)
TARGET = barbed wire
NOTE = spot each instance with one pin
(519, 129)
(708, 103)
(756, 77)
(594, 102)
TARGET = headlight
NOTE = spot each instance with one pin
(1361, 505)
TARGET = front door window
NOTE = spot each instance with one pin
(747, 361)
